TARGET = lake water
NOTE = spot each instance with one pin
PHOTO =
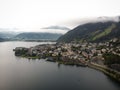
(23, 74)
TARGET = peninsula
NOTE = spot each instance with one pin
(102, 56)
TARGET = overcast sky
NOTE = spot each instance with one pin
(35, 14)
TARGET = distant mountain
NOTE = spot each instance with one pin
(57, 27)
(93, 32)
(37, 36)
(1, 39)
(7, 34)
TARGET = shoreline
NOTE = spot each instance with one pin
(60, 61)
(101, 56)
(109, 72)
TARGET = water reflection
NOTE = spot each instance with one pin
(59, 65)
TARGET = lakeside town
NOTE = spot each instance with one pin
(103, 56)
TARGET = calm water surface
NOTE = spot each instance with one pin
(20, 73)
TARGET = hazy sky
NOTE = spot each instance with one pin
(36, 14)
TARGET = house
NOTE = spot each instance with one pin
(84, 54)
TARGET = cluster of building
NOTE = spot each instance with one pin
(74, 53)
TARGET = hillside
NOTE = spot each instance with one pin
(37, 36)
(7, 34)
(93, 32)
(1, 39)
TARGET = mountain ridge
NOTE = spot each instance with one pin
(37, 36)
(93, 32)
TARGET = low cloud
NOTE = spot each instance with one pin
(74, 23)
(57, 28)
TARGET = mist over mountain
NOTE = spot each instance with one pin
(8, 34)
(76, 22)
(91, 29)
(102, 29)
(12, 35)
